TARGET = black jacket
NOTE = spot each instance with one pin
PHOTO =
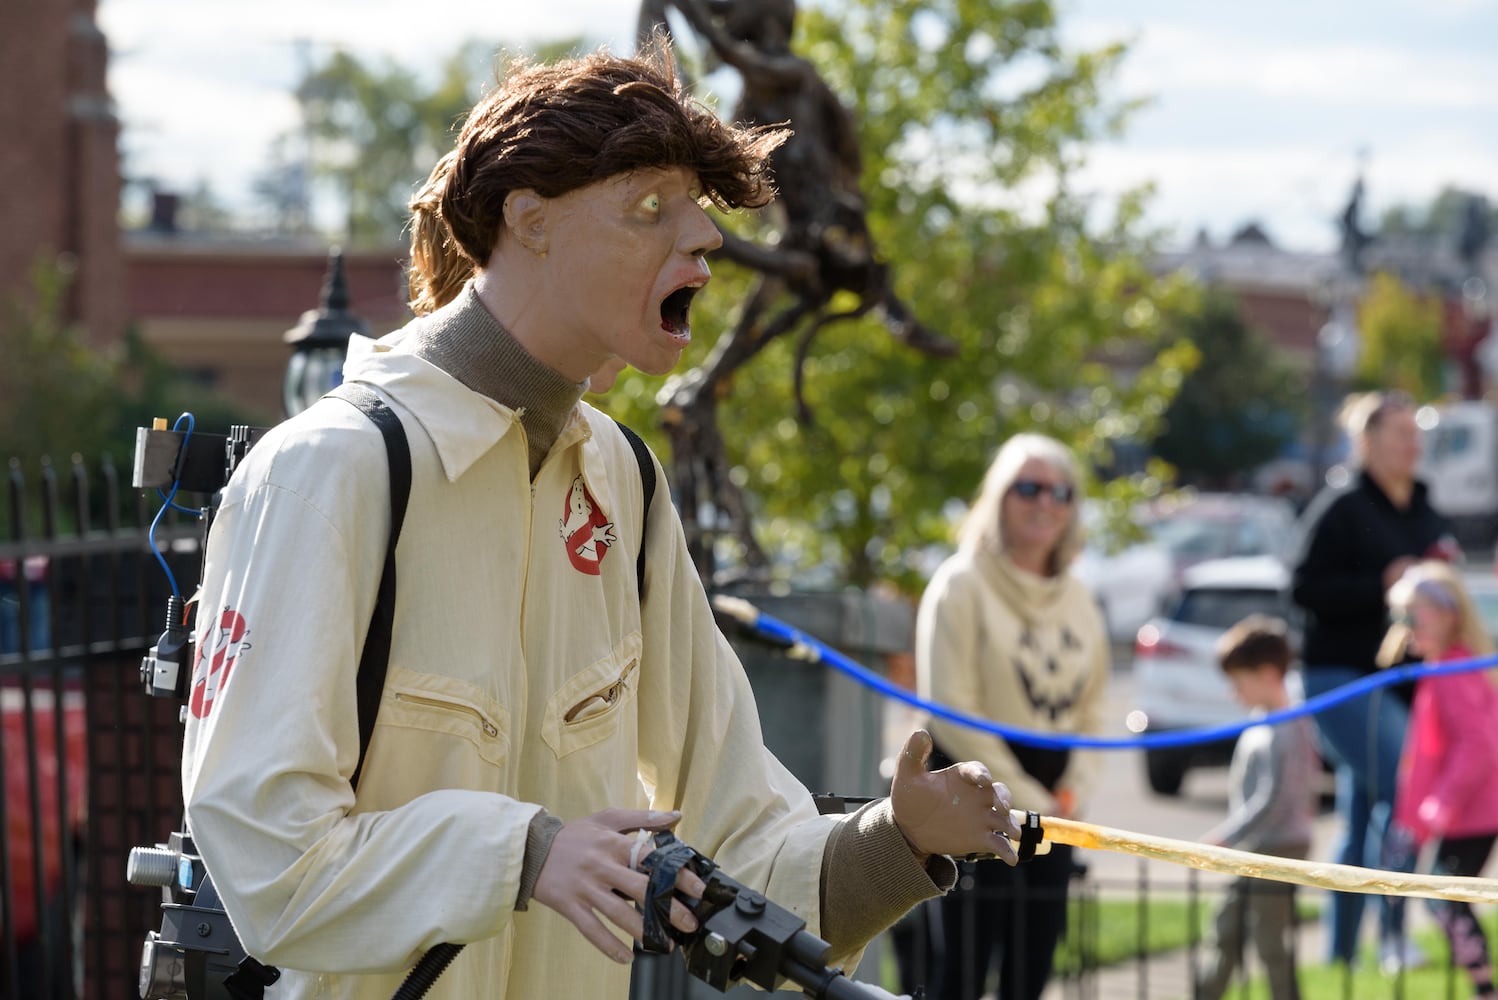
(1349, 535)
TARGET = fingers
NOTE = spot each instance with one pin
(917, 750)
(690, 884)
(628, 820)
(1003, 847)
(974, 773)
(636, 884)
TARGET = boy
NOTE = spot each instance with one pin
(1273, 803)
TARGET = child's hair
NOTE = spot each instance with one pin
(1438, 583)
(559, 127)
(1256, 641)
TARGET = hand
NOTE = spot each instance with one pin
(1433, 817)
(1395, 570)
(1065, 804)
(957, 810)
(587, 874)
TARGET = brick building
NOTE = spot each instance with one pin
(59, 168)
(218, 307)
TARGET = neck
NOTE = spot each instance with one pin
(1033, 560)
(1396, 487)
(513, 288)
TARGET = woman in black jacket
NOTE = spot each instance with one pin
(1357, 538)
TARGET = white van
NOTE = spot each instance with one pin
(1460, 466)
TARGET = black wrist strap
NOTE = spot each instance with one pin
(1030, 836)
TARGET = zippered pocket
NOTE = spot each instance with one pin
(587, 709)
(446, 706)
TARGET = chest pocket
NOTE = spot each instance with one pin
(588, 708)
(451, 713)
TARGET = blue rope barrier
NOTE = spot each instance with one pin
(816, 651)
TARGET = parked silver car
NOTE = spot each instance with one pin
(1177, 682)
(1136, 583)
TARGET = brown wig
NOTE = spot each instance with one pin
(559, 127)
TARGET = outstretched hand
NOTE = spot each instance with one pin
(958, 810)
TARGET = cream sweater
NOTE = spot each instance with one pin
(1022, 650)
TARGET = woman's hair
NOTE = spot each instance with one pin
(1363, 412)
(558, 127)
(983, 528)
(1440, 584)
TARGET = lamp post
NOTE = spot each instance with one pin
(1338, 344)
(319, 341)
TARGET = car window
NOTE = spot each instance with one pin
(1223, 607)
(1195, 540)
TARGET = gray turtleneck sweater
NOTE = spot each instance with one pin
(468, 343)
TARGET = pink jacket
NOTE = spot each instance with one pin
(1447, 784)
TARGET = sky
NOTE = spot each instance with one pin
(1262, 111)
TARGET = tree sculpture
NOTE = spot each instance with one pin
(823, 248)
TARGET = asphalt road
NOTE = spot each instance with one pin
(1124, 800)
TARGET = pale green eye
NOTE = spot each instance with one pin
(651, 203)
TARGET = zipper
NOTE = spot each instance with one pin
(530, 524)
(610, 696)
(458, 708)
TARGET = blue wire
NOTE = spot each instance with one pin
(190, 511)
(151, 535)
(780, 631)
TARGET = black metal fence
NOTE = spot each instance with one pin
(90, 762)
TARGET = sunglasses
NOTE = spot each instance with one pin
(1029, 489)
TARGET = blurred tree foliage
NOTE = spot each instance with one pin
(1441, 218)
(1402, 341)
(1238, 408)
(62, 397)
(973, 122)
(56, 391)
(377, 129)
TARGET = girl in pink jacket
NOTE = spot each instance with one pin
(1446, 805)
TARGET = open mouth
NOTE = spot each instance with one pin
(675, 310)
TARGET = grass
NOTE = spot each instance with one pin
(1438, 979)
(1112, 929)
(1121, 930)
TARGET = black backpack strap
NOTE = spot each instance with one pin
(375, 658)
(647, 480)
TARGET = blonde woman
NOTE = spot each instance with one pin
(1006, 633)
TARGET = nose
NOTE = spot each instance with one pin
(699, 235)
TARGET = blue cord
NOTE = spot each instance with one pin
(781, 632)
(151, 535)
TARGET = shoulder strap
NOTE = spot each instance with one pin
(647, 480)
(375, 658)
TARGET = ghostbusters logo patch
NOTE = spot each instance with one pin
(217, 655)
(586, 531)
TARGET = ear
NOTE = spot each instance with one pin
(526, 217)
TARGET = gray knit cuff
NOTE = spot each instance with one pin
(538, 838)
